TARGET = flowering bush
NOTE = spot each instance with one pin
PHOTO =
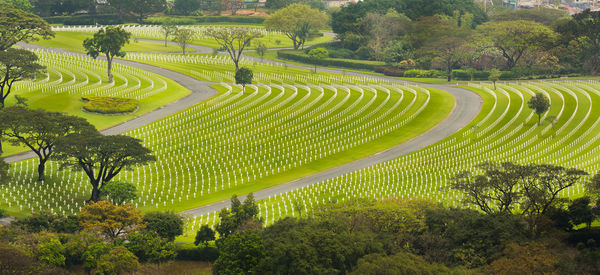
(110, 105)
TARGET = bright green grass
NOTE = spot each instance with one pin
(71, 77)
(505, 130)
(73, 41)
(237, 143)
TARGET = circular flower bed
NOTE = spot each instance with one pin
(110, 105)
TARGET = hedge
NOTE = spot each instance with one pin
(109, 105)
(104, 19)
(425, 74)
(344, 63)
(191, 20)
(389, 71)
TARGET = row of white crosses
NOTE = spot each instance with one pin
(76, 75)
(235, 139)
(155, 31)
(571, 142)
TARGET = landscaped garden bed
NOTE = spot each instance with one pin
(110, 105)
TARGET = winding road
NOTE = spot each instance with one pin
(467, 106)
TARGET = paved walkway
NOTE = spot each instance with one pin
(467, 106)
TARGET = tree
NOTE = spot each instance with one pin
(451, 52)
(515, 38)
(183, 37)
(540, 104)
(400, 263)
(495, 76)
(108, 41)
(186, 7)
(17, 25)
(317, 54)
(110, 220)
(527, 258)
(234, 41)
(383, 28)
(117, 261)
(496, 190)
(239, 253)
(580, 211)
(118, 192)
(261, 50)
(23, 5)
(39, 130)
(243, 76)
(101, 157)
(168, 28)
(296, 21)
(148, 246)
(583, 33)
(239, 215)
(167, 225)
(92, 255)
(144, 7)
(4, 166)
(16, 65)
(204, 235)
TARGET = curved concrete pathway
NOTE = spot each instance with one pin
(467, 106)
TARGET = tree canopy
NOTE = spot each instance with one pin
(17, 25)
(234, 41)
(243, 76)
(296, 21)
(101, 157)
(539, 104)
(16, 65)
(108, 41)
(109, 220)
(183, 37)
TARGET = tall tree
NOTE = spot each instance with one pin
(17, 25)
(118, 192)
(168, 28)
(39, 130)
(583, 33)
(515, 38)
(108, 41)
(186, 7)
(101, 157)
(383, 28)
(183, 37)
(16, 65)
(234, 41)
(239, 215)
(296, 21)
(540, 104)
(317, 54)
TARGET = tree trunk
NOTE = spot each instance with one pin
(41, 169)
(110, 76)
(243, 88)
(183, 48)
(166, 38)
(539, 119)
(95, 193)
(237, 67)
(449, 75)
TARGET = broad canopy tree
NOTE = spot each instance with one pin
(540, 104)
(17, 25)
(243, 77)
(183, 37)
(234, 41)
(108, 41)
(16, 65)
(296, 21)
(582, 33)
(40, 130)
(168, 29)
(101, 157)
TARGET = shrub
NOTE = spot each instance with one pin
(191, 20)
(87, 20)
(389, 71)
(110, 105)
(425, 73)
(2, 213)
(166, 224)
(344, 63)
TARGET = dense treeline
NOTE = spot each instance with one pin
(449, 35)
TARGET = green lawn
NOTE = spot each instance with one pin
(73, 41)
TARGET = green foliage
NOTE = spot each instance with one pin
(110, 105)
(145, 7)
(400, 263)
(183, 37)
(296, 21)
(118, 260)
(16, 65)
(261, 49)
(544, 16)
(150, 247)
(540, 104)
(192, 20)
(101, 157)
(580, 211)
(92, 255)
(108, 41)
(424, 73)
(50, 252)
(4, 176)
(41, 221)
(243, 76)
(203, 253)
(23, 5)
(238, 217)
(581, 35)
(309, 246)
(204, 235)
(494, 76)
(186, 7)
(17, 25)
(15, 261)
(239, 253)
(167, 225)
(233, 41)
(344, 63)
(118, 192)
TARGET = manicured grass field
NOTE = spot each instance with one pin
(69, 78)
(73, 41)
(270, 39)
(238, 143)
(505, 130)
